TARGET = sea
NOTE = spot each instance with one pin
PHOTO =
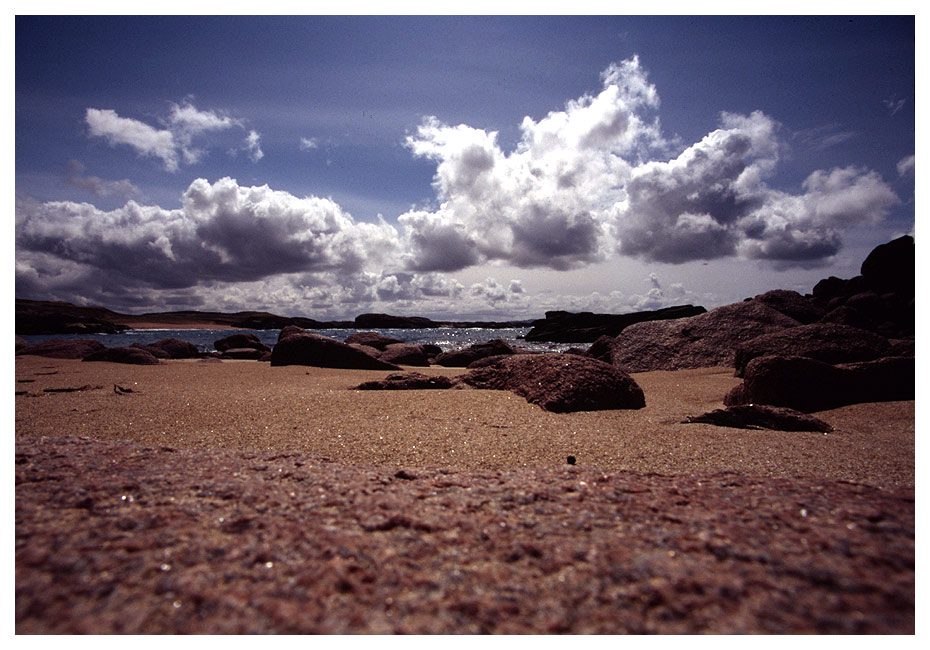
(447, 338)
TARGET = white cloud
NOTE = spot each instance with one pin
(254, 146)
(173, 143)
(308, 143)
(906, 166)
(146, 140)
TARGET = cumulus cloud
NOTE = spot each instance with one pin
(97, 185)
(308, 143)
(591, 180)
(172, 143)
(222, 232)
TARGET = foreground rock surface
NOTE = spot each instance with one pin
(62, 349)
(560, 383)
(114, 538)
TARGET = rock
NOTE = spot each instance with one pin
(761, 416)
(404, 354)
(290, 330)
(407, 381)
(240, 341)
(45, 317)
(158, 353)
(61, 349)
(431, 350)
(700, 341)
(810, 385)
(367, 349)
(585, 327)
(372, 339)
(791, 303)
(891, 267)
(243, 353)
(176, 348)
(21, 344)
(560, 383)
(825, 342)
(484, 362)
(310, 349)
(127, 354)
(601, 349)
(461, 358)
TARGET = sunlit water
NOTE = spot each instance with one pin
(447, 338)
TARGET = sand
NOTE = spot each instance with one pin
(247, 405)
(234, 497)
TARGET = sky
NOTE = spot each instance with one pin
(470, 167)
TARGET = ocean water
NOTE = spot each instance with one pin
(447, 338)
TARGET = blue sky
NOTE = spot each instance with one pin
(480, 167)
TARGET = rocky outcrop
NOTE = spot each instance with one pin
(240, 341)
(408, 381)
(881, 298)
(825, 342)
(127, 354)
(810, 385)
(791, 303)
(461, 358)
(170, 349)
(62, 349)
(44, 317)
(586, 327)
(709, 339)
(310, 349)
(761, 416)
(560, 383)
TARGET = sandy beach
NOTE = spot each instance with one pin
(238, 497)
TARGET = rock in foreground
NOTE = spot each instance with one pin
(560, 383)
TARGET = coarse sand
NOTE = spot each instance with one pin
(248, 405)
(232, 497)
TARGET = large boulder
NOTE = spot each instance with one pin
(461, 358)
(560, 383)
(310, 349)
(404, 354)
(61, 349)
(127, 354)
(810, 385)
(371, 339)
(240, 341)
(171, 349)
(407, 381)
(891, 267)
(801, 308)
(290, 330)
(699, 341)
(827, 342)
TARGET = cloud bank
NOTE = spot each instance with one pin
(593, 180)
